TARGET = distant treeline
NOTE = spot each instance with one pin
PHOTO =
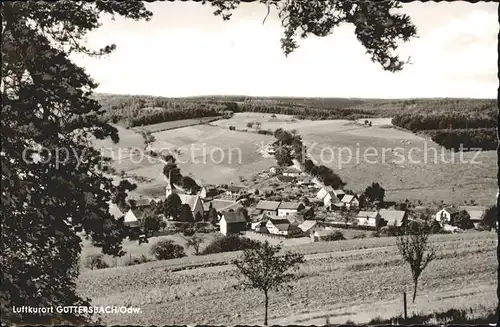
(479, 138)
(451, 126)
(413, 114)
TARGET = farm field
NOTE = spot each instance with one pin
(418, 170)
(208, 154)
(464, 273)
(153, 128)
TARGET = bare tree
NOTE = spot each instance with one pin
(195, 243)
(265, 270)
(415, 249)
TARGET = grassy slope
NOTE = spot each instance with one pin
(365, 274)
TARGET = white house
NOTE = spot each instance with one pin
(329, 199)
(310, 226)
(350, 201)
(234, 190)
(286, 208)
(367, 219)
(323, 191)
(194, 203)
(115, 211)
(291, 172)
(282, 227)
(445, 215)
(393, 217)
(132, 218)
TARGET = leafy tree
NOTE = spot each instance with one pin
(415, 249)
(198, 217)
(172, 206)
(172, 173)
(228, 243)
(186, 214)
(167, 249)
(462, 220)
(190, 185)
(283, 156)
(195, 242)
(264, 269)
(490, 218)
(50, 173)
(377, 25)
(151, 224)
(243, 211)
(375, 192)
(213, 216)
(335, 236)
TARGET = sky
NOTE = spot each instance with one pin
(184, 50)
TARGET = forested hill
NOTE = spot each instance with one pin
(136, 110)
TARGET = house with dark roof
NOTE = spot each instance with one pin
(234, 190)
(395, 218)
(194, 203)
(232, 222)
(268, 207)
(286, 208)
(447, 215)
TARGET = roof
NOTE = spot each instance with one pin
(475, 212)
(307, 225)
(347, 198)
(393, 217)
(328, 189)
(367, 214)
(280, 224)
(115, 211)
(305, 209)
(295, 219)
(451, 210)
(234, 188)
(142, 202)
(189, 200)
(289, 205)
(339, 192)
(323, 233)
(233, 217)
(292, 170)
(267, 205)
(221, 204)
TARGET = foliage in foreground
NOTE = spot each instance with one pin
(264, 269)
(167, 249)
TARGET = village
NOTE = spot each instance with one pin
(286, 202)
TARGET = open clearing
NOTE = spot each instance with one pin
(355, 279)
(408, 166)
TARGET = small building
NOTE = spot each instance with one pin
(396, 218)
(367, 219)
(132, 217)
(291, 172)
(203, 192)
(234, 190)
(282, 227)
(447, 215)
(320, 235)
(476, 214)
(308, 227)
(330, 199)
(286, 208)
(232, 222)
(268, 207)
(194, 203)
(350, 201)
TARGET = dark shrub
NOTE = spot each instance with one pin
(167, 249)
(335, 236)
(96, 261)
(189, 232)
(229, 243)
(435, 227)
(137, 261)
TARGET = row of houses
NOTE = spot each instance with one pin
(281, 208)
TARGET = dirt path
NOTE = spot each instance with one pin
(364, 311)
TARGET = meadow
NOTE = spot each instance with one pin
(407, 165)
(355, 280)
